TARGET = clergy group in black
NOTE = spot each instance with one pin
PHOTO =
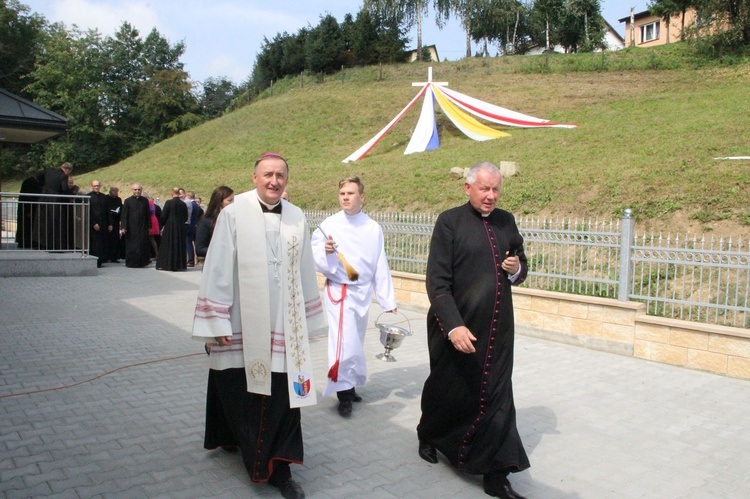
(50, 213)
(137, 221)
(48, 217)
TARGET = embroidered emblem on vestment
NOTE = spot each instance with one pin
(302, 385)
(258, 370)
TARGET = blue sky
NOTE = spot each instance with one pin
(223, 36)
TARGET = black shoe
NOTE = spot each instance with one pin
(289, 489)
(497, 485)
(345, 408)
(427, 452)
(350, 394)
(503, 492)
(230, 449)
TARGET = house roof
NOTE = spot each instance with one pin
(614, 32)
(636, 16)
(411, 54)
(25, 122)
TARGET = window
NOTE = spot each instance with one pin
(650, 31)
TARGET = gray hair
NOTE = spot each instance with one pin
(471, 176)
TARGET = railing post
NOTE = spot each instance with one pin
(626, 247)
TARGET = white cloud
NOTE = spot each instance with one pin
(106, 16)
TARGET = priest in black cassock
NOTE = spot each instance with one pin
(53, 218)
(468, 412)
(135, 223)
(172, 249)
(112, 247)
(28, 204)
(100, 222)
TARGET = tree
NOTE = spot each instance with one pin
(727, 21)
(324, 50)
(501, 21)
(412, 12)
(666, 9)
(467, 11)
(293, 58)
(377, 38)
(122, 79)
(273, 52)
(121, 94)
(165, 106)
(68, 80)
(216, 97)
(391, 39)
(548, 16)
(362, 37)
(21, 35)
(582, 26)
(147, 94)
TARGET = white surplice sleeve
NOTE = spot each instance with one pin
(326, 263)
(383, 281)
(219, 281)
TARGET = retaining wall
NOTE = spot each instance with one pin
(612, 326)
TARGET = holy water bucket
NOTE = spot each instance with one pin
(391, 336)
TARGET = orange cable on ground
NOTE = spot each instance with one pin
(99, 376)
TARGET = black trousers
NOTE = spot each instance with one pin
(264, 427)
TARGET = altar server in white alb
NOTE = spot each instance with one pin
(258, 303)
(349, 252)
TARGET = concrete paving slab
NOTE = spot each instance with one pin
(102, 394)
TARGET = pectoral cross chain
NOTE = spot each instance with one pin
(275, 262)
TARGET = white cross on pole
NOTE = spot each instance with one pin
(429, 81)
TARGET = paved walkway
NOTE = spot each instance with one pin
(127, 420)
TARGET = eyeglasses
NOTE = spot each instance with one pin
(95, 185)
(137, 190)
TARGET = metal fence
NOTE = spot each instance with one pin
(406, 237)
(47, 222)
(701, 279)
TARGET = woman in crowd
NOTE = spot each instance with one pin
(154, 235)
(221, 197)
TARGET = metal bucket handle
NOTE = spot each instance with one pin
(408, 322)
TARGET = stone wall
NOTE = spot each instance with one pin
(612, 326)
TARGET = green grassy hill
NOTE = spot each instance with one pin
(650, 125)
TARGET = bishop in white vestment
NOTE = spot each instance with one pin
(258, 303)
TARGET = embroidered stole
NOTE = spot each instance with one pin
(252, 261)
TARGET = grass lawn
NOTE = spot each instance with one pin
(650, 122)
